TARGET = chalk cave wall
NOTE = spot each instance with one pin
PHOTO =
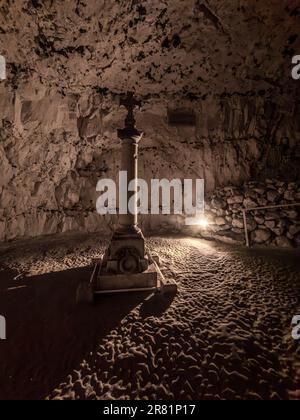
(54, 149)
(59, 110)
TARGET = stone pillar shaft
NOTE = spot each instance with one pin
(128, 223)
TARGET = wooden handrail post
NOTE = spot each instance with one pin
(246, 229)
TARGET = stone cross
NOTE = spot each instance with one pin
(130, 103)
(130, 137)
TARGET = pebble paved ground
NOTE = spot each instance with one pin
(226, 335)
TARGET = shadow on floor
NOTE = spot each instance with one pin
(156, 305)
(48, 334)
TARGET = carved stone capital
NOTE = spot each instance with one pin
(130, 133)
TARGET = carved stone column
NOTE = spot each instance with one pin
(126, 254)
(126, 266)
(128, 223)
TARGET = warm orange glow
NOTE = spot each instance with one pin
(203, 222)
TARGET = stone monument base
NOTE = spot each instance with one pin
(101, 282)
(126, 265)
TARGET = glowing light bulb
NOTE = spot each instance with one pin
(203, 222)
(197, 221)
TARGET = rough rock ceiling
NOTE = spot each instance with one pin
(187, 48)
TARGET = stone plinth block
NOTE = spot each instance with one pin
(115, 282)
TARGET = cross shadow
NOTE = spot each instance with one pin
(156, 305)
(48, 334)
